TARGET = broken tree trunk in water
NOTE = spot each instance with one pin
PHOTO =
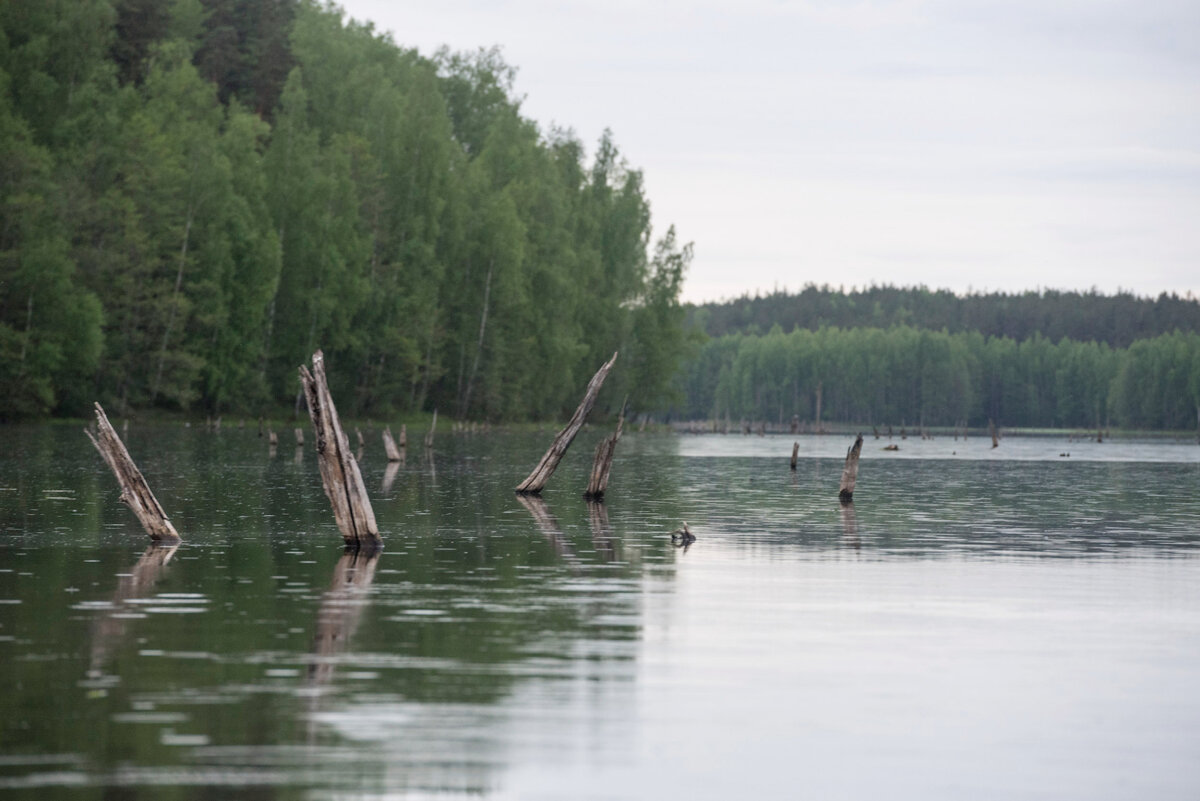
(135, 492)
(429, 434)
(993, 432)
(795, 454)
(339, 470)
(389, 446)
(603, 462)
(850, 471)
(545, 468)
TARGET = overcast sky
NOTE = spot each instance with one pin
(1003, 145)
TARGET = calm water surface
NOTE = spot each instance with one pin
(980, 624)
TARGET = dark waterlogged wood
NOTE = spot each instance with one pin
(850, 471)
(389, 446)
(135, 492)
(994, 433)
(795, 454)
(339, 470)
(602, 465)
(546, 467)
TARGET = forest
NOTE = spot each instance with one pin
(195, 195)
(1117, 320)
(918, 377)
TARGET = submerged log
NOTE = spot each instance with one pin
(603, 461)
(389, 446)
(795, 454)
(339, 470)
(850, 471)
(135, 492)
(546, 467)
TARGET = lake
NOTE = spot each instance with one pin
(1007, 623)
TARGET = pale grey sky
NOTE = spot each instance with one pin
(981, 144)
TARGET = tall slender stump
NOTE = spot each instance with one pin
(546, 467)
(850, 471)
(135, 492)
(339, 470)
(602, 465)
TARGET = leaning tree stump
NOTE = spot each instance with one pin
(602, 465)
(135, 492)
(850, 471)
(549, 463)
(389, 446)
(339, 470)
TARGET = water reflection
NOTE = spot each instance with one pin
(602, 536)
(850, 536)
(548, 525)
(389, 475)
(111, 627)
(341, 610)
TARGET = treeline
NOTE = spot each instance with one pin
(1116, 320)
(917, 377)
(196, 195)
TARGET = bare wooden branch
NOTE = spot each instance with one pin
(546, 467)
(604, 459)
(850, 471)
(135, 492)
(389, 446)
(339, 470)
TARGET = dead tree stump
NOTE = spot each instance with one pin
(339, 470)
(389, 446)
(603, 462)
(429, 434)
(795, 454)
(299, 432)
(546, 467)
(850, 471)
(994, 433)
(135, 492)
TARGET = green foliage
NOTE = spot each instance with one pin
(905, 375)
(1117, 320)
(200, 193)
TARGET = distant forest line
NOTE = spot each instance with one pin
(1117, 320)
(918, 377)
(197, 194)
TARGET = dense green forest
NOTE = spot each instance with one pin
(1117, 320)
(196, 194)
(905, 375)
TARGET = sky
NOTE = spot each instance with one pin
(971, 145)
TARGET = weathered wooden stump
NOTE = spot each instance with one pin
(850, 471)
(135, 492)
(558, 448)
(429, 434)
(795, 455)
(339, 470)
(389, 446)
(602, 464)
